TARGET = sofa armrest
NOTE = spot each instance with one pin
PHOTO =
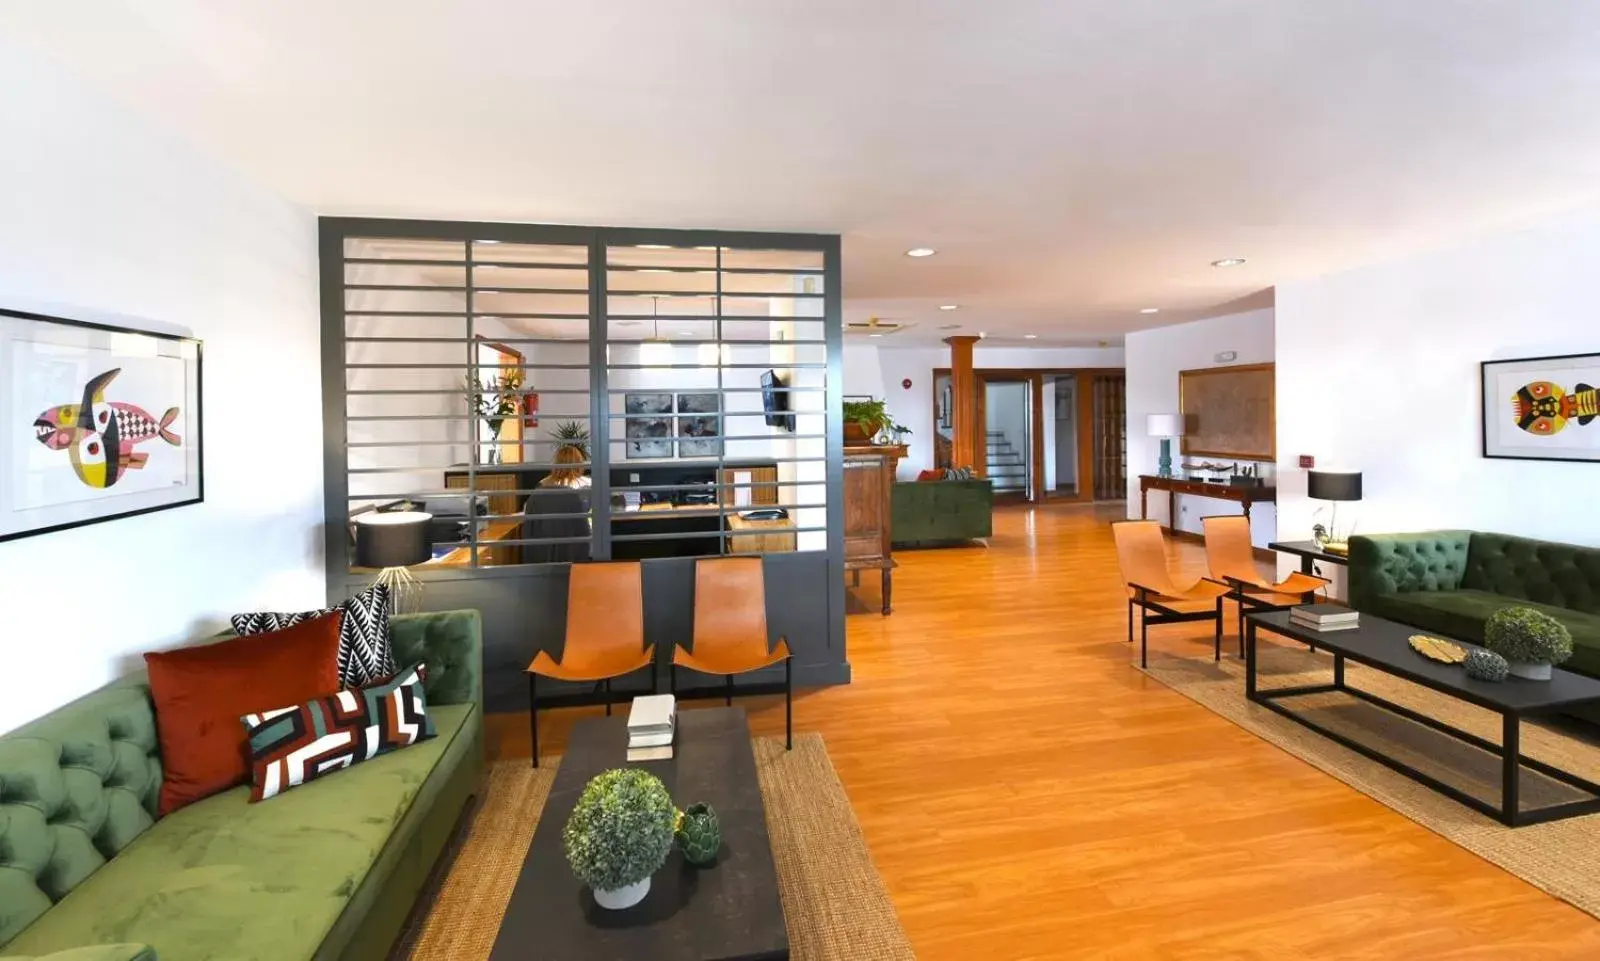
(98, 952)
(1402, 563)
(450, 643)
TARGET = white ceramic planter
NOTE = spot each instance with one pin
(622, 897)
(1529, 671)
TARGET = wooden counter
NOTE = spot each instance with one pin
(1241, 494)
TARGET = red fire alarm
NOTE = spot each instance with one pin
(906, 383)
(1307, 462)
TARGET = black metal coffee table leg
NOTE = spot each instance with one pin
(1510, 767)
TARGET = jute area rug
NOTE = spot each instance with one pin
(1560, 857)
(833, 899)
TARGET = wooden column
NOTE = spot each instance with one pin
(968, 435)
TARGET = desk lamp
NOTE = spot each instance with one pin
(392, 542)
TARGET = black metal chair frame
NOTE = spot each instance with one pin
(601, 693)
(1246, 594)
(728, 690)
(1146, 600)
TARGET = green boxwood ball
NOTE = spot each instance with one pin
(1485, 665)
(1524, 634)
(620, 832)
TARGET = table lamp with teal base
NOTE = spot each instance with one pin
(1166, 427)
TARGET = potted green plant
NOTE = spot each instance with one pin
(619, 834)
(863, 419)
(494, 400)
(1530, 641)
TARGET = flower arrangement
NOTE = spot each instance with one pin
(620, 832)
(495, 399)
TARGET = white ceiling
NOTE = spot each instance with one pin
(1072, 160)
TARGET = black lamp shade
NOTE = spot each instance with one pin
(1334, 485)
(394, 539)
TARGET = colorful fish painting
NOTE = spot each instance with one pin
(1543, 408)
(99, 436)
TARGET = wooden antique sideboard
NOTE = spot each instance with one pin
(868, 487)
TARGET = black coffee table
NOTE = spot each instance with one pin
(727, 912)
(1382, 645)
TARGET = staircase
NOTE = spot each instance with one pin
(1008, 470)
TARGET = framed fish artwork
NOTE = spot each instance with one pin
(97, 422)
(1542, 408)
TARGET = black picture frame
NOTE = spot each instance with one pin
(19, 418)
(1573, 375)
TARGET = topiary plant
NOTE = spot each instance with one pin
(699, 834)
(1526, 635)
(1485, 665)
(620, 832)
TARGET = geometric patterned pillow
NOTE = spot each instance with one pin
(292, 745)
(365, 654)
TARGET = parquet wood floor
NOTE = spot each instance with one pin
(1026, 793)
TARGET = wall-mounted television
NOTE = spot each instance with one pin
(775, 401)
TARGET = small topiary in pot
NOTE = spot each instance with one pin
(1529, 640)
(1485, 665)
(619, 834)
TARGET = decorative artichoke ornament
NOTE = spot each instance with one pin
(1485, 665)
(699, 835)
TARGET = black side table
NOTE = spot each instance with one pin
(1310, 553)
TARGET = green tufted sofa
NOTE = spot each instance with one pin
(941, 511)
(1452, 581)
(328, 870)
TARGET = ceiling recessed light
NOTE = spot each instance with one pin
(874, 335)
(982, 334)
(949, 326)
(1228, 262)
(921, 252)
(949, 306)
(705, 248)
(1030, 336)
(1150, 310)
(654, 246)
(487, 241)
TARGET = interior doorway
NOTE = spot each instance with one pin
(1048, 434)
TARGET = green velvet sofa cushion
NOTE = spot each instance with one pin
(451, 644)
(99, 952)
(259, 882)
(1401, 563)
(923, 512)
(77, 786)
(1559, 575)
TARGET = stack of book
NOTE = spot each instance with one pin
(651, 723)
(1324, 617)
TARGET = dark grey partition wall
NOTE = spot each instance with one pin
(423, 318)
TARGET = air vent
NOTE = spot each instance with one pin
(876, 326)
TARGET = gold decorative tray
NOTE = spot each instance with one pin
(1438, 649)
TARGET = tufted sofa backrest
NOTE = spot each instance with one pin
(1562, 575)
(76, 786)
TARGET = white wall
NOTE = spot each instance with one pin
(1154, 358)
(878, 370)
(1378, 372)
(106, 217)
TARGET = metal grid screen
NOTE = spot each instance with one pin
(560, 401)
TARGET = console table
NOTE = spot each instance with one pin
(1244, 495)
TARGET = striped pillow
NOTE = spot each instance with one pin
(292, 745)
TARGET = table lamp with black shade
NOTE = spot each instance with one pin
(1333, 486)
(393, 541)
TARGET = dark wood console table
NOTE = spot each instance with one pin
(1245, 495)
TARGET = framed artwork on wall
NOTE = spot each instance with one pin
(1542, 408)
(97, 422)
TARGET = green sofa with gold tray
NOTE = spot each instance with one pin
(328, 870)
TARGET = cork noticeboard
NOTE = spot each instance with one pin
(1229, 412)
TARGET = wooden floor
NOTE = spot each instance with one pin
(1026, 793)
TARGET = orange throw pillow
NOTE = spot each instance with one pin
(201, 692)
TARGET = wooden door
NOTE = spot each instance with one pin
(1110, 437)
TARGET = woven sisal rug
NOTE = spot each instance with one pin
(1560, 857)
(833, 899)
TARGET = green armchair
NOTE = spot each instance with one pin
(941, 511)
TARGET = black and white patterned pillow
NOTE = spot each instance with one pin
(365, 654)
